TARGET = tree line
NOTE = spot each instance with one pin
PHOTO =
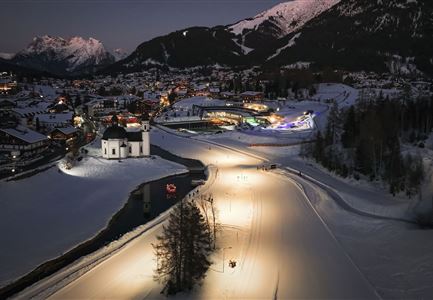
(366, 139)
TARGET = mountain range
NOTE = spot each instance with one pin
(60, 56)
(244, 43)
(372, 35)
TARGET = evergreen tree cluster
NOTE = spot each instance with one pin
(365, 140)
(183, 248)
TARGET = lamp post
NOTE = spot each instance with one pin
(223, 255)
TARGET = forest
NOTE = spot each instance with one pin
(377, 139)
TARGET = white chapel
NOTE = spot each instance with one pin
(118, 143)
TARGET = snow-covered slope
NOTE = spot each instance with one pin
(6, 55)
(285, 17)
(59, 55)
(119, 54)
(382, 35)
(250, 41)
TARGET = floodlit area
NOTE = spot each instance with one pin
(287, 229)
(267, 227)
(283, 154)
(259, 119)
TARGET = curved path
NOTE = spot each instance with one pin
(281, 246)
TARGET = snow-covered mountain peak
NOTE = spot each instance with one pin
(119, 54)
(44, 43)
(287, 17)
(7, 56)
(74, 52)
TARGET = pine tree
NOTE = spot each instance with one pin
(182, 249)
(332, 125)
(318, 148)
(172, 98)
(350, 129)
(414, 174)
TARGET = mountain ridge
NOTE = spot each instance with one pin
(63, 56)
(382, 36)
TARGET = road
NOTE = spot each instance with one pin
(281, 246)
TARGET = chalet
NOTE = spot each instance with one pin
(7, 84)
(26, 111)
(22, 142)
(201, 90)
(6, 104)
(250, 96)
(228, 95)
(51, 121)
(61, 105)
(65, 135)
(99, 107)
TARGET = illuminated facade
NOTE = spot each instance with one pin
(117, 143)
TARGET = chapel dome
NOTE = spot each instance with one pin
(114, 132)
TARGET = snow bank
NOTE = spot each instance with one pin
(50, 213)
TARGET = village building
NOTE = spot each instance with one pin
(228, 95)
(66, 135)
(22, 142)
(7, 83)
(118, 143)
(51, 121)
(250, 96)
(98, 107)
(6, 104)
(25, 111)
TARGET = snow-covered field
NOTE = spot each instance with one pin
(395, 257)
(47, 214)
(187, 104)
(343, 248)
(268, 227)
(269, 235)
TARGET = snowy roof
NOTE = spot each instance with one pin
(25, 134)
(55, 118)
(30, 107)
(251, 93)
(200, 87)
(287, 16)
(66, 130)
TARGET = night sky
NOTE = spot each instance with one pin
(118, 24)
